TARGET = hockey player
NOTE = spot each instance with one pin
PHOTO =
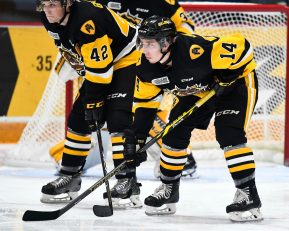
(100, 46)
(189, 66)
(135, 12)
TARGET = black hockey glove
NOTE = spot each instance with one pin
(131, 145)
(220, 87)
(94, 114)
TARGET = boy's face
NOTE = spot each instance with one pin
(53, 10)
(151, 49)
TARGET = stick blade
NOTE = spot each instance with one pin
(102, 211)
(31, 215)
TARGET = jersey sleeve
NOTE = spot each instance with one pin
(96, 52)
(232, 57)
(183, 23)
(147, 99)
(146, 95)
(106, 38)
(173, 10)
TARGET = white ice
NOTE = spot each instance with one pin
(201, 206)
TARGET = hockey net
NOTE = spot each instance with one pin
(265, 26)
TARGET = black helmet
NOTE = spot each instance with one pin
(160, 28)
(39, 3)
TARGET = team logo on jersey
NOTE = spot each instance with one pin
(114, 5)
(161, 81)
(134, 19)
(190, 90)
(196, 51)
(54, 35)
(172, 2)
(88, 28)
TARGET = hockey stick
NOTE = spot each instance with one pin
(103, 210)
(31, 215)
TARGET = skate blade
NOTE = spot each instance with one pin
(166, 209)
(130, 203)
(252, 215)
(189, 172)
(58, 199)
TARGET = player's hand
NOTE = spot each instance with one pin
(94, 114)
(131, 145)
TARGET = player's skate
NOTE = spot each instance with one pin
(163, 200)
(190, 166)
(125, 194)
(246, 205)
(64, 189)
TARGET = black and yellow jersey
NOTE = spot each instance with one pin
(136, 11)
(96, 39)
(196, 64)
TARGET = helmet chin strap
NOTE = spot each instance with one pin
(164, 54)
(64, 16)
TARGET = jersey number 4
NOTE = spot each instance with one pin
(230, 47)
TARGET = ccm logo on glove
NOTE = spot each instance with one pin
(94, 105)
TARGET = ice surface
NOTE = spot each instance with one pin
(201, 206)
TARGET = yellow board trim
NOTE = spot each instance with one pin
(35, 63)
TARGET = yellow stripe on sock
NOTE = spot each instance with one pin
(117, 156)
(242, 167)
(237, 152)
(171, 167)
(182, 152)
(78, 137)
(117, 139)
(75, 152)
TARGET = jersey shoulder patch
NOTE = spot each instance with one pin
(88, 27)
(196, 51)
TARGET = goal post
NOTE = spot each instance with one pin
(265, 26)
